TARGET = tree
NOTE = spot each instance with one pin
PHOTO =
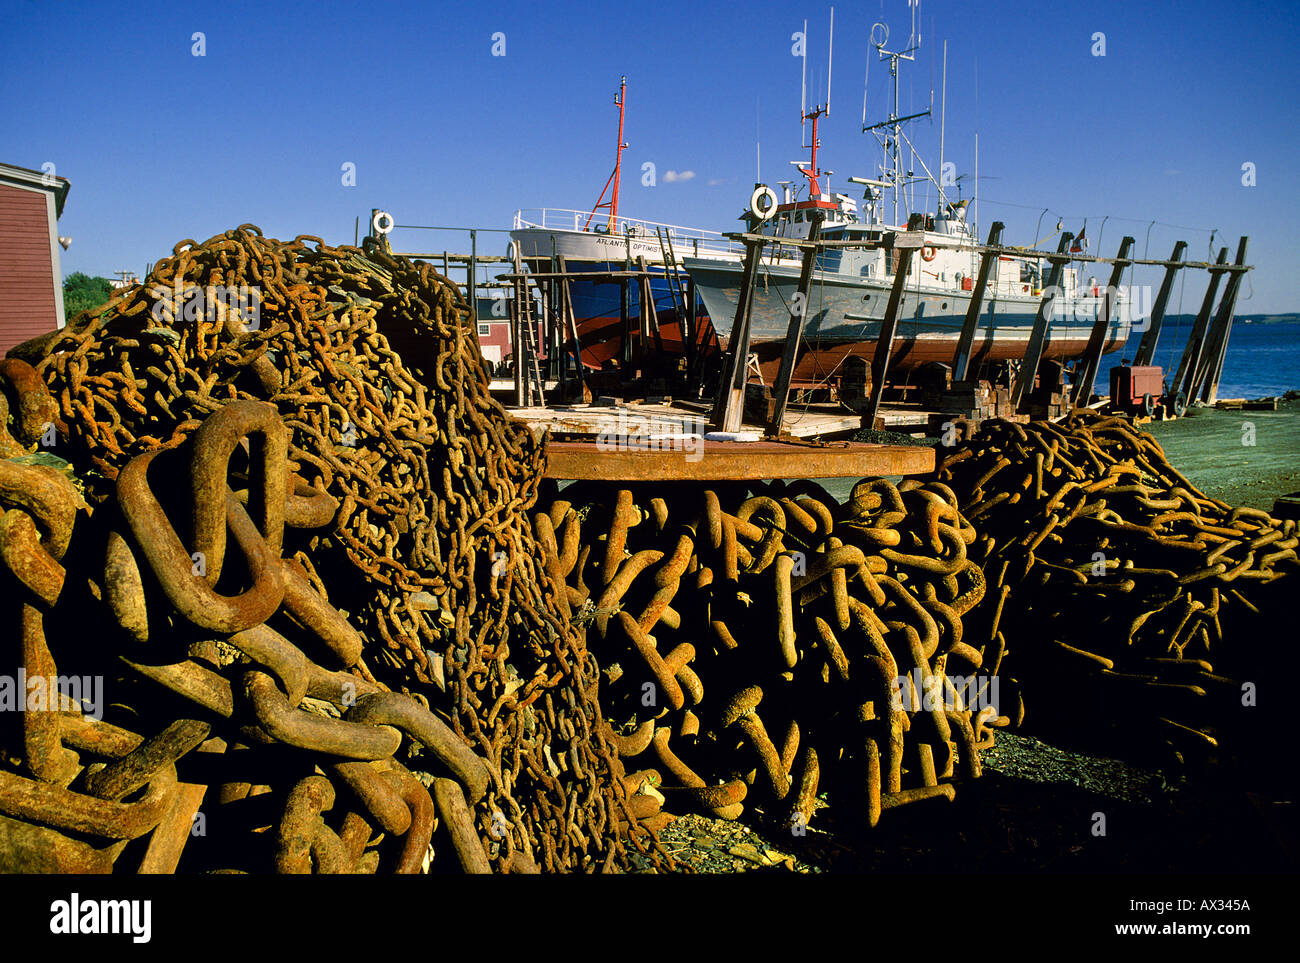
(81, 292)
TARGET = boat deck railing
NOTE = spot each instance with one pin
(686, 241)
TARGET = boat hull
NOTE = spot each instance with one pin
(597, 304)
(845, 316)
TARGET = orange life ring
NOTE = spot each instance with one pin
(930, 256)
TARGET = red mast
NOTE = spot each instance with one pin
(612, 204)
(814, 173)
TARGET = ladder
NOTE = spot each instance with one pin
(528, 374)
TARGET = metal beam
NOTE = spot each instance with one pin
(888, 326)
(1146, 351)
(1091, 360)
(961, 361)
(729, 408)
(1183, 387)
(698, 460)
(1038, 335)
(794, 333)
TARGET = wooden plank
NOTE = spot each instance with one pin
(594, 420)
(733, 461)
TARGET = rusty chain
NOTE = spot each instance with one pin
(830, 635)
(1115, 579)
(403, 486)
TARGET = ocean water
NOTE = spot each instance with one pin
(1263, 358)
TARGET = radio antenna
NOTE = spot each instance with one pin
(803, 80)
(830, 56)
(943, 117)
(866, 79)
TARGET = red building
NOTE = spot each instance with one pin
(31, 281)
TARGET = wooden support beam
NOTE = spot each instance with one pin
(889, 325)
(625, 330)
(729, 408)
(794, 333)
(1146, 351)
(1086, 375)
(1213, 362)
(961, 361)
(571, 325)
(557, 357)
(649, 310)
(471, 280)
(1038, 335)
(1183, 388)
(516, 331)
(691, 331)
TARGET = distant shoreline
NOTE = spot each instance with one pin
(1268, 318)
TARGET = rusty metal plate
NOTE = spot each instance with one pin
(732, 461)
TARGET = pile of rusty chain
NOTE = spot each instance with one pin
(370, 362)
(1110, 573)
(830, 634)
(263, 705)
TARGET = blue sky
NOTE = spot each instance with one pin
(160, 145)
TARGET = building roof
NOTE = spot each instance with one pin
(30, 178)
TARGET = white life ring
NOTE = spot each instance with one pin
(382, 218)
(930, 255)
(762, 213)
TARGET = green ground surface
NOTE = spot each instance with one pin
(1212, 449)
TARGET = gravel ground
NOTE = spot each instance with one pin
(1037, 808)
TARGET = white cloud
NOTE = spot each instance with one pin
(671, 176)
(715, 181)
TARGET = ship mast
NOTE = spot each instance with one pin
(612, 203)
(821, 110)
(894, 143)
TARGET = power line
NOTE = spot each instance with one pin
(1113, 217)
